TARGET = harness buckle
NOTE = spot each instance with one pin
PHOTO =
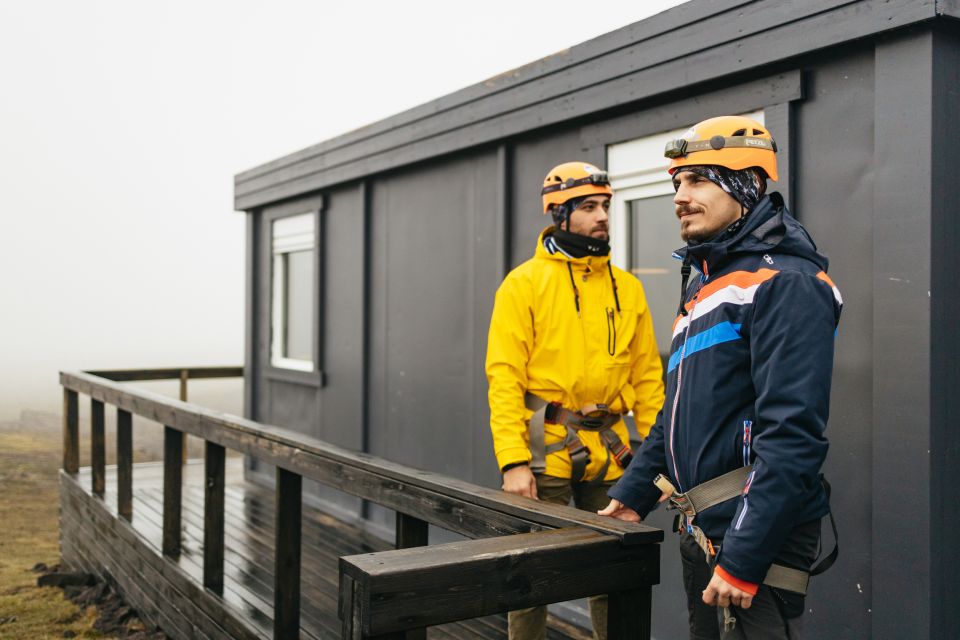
(594, 415)
(551, 412)
(575, 447)
(621, 453)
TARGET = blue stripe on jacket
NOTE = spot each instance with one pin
(717, 334)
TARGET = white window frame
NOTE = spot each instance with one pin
(288, 235)
(638, 170)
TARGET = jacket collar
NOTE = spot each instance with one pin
(769, 227)
(541, 252)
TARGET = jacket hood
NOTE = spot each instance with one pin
(769, 226)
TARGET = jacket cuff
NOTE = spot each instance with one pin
(743, 585)
(641, 504)
(513, 455)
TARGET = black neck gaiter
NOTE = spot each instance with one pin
(580, 246)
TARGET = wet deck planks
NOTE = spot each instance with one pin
(169, 593)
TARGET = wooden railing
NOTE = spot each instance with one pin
(560, 553)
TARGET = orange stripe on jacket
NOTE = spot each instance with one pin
(740, 279)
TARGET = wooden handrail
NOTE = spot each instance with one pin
(174, 373)
(447, 502)
(419, 497)
(411, 588)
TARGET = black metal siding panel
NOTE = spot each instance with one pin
(834, 200)
(718, 98)
(340, 399)
(251, 320)
(901, 525)
(533, 157)
(342, 310)
(683, 55)
(293, 405)
(945, 352)
(433, 276)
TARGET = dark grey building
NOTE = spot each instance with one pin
(373, 259)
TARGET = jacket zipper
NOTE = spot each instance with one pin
(676, 395)
(611, 332)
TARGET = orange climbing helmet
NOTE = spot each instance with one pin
(573, 180)
(734, 142)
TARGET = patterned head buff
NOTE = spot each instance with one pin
(562, 212)
(746, 186)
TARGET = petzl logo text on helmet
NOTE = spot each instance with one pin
(753, 142)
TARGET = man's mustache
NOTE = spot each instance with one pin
(683, 210)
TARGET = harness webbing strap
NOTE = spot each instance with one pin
(573, 421)
(538, 449)
(579, 455)
(721, 489)
(787, 578)
(705, 495)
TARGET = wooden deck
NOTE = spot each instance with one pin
(168, 591)
(202, 554)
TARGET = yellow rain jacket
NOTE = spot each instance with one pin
(538, 343)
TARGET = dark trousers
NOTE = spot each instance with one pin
(774, 614)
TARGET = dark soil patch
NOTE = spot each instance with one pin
(115, 618)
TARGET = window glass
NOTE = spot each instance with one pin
(654, 235)
(299, 302)
(293, 300)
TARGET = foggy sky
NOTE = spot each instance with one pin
(121, 127)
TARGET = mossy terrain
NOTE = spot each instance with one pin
(28, 536)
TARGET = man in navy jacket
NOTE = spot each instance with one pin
(748, 389)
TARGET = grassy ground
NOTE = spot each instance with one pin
(29, 535)
(30, 451)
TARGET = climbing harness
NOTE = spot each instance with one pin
(720, 489)
(593, 417)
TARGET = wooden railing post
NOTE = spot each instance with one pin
(184, 376)
(98, 449)
(629, 614)
(71, 432)
(124, 464)
(286, 588)
(412, 532)
(172, 489)
(213, 516)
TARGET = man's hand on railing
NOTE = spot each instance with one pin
(520, 480)
(620, 511)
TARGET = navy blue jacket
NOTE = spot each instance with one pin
(748, 381)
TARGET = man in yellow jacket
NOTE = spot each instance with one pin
(570, 351)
